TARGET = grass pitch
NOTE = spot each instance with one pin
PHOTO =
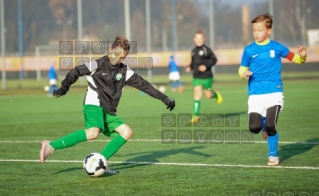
(146, 164)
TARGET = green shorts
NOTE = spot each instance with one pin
(207, 83)
(96, 116)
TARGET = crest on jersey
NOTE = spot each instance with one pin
(118, 77)
(272, 53)
(201, 53)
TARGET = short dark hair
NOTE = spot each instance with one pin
(122, 42)
(264, 17)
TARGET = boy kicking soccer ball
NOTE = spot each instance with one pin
(106, 78)
(261, 63)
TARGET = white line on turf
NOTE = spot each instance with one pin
(171, 140)
(170, 164)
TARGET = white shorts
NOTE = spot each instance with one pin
(172, 76)
(260, 103)
(52, 81)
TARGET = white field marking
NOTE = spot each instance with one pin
(171, 140)
(170, 164)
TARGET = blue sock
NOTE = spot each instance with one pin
(179, 83)
(172, 84)
(272, 145)
(51, 89)
(263, 122)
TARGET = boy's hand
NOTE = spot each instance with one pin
(246, 74)
(170, 103)
(202, 68)
(302, 51)
(188, 69)
(60, 92)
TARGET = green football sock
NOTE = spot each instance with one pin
(69, 140)
(112, 147)
(214, 95)
(196, 107)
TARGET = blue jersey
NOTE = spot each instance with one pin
(172, 66)
(52, 73)
(264, 61)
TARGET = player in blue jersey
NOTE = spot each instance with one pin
(261, 63)
(52, 76)
(174, 76)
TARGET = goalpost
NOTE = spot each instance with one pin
(44, 50)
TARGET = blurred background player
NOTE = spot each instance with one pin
(174, 76)
(106, 78)
(261, 62)
(52, 76)
(203, 59)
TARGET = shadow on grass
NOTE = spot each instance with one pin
(290, 150)
(146, 158)
(71, 169)
(151, 157)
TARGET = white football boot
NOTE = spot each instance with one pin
(45, 151)
(273, 161)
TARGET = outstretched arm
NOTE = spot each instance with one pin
(139, 83)
(72, 76)
(299, 58)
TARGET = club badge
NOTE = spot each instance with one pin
(118, 77)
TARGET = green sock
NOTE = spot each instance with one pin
(69, 140)
(196, 107)
(214, 95)
(112, 147)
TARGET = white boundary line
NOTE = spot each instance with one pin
(171, 140)
(170, 164)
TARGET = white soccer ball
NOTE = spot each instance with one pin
(162, 89)
(46, 88)
(95, 164)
